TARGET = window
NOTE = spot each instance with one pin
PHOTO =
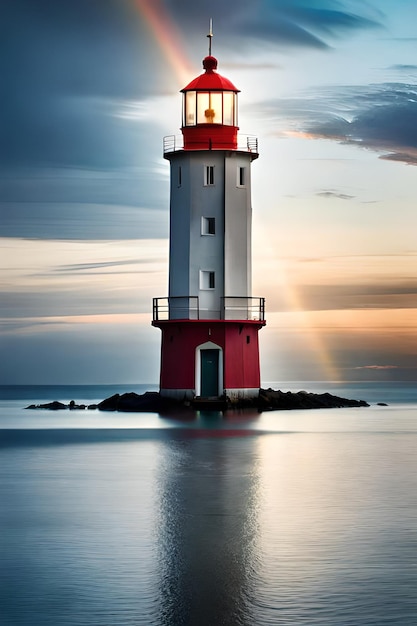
(207, 280)
(209, 175)
(179, 176)
(229, 107)
(189, 108)
(241, 176)
(208, 226)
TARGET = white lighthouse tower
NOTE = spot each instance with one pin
(210, 321)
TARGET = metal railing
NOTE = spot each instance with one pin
(172, 143)
(176, 307)
(243, 308)
(251, 143)
(188, 308)
(245, 143)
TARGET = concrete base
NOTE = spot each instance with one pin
(233, 395)
(241, 394)
(178, 394)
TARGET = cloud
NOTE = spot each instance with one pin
(105, 265)
(385, 120)
(73, 131)
(379, 117)
(67, 68)
(334, 194)
(376, 367)
(404, 157)
(403, 67)
(283, 23)
(75, 121)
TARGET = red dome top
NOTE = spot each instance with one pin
(210, 80)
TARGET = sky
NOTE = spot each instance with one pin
(329, 87)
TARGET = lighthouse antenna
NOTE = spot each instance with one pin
(210, 35)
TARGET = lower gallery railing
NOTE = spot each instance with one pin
(188, 307)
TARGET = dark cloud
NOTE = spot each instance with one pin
(66, 69)
(94, 48)
(73, 165)
(293, 23)
(404, 157)
(404, 68)
(379, 117)
(334, 194)
(73, 131)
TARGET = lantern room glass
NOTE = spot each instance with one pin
(229, 109)
(210, 107)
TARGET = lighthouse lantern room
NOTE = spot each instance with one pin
(210, 321)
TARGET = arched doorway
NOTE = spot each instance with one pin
(209, 370)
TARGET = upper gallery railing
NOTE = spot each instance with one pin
(245, 143)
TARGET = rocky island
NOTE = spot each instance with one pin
(267, 400)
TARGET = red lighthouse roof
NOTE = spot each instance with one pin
(210, 80)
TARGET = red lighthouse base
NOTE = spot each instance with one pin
(209, 358)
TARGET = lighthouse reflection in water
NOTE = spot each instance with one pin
(289, 518)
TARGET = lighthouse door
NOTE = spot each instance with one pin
(209, 373)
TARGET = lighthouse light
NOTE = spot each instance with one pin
(210, 107)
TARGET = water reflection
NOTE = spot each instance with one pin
(212, 522)
(208, 529)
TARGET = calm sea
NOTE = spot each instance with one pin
(279, 518)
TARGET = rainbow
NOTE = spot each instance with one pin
(168, 38)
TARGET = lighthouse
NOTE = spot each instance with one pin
(210, 321)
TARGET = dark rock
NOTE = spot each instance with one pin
(132, 402)
(109, 404)
(280, 400)
(58, 406)
(52, 406)
(76, 407)
(381, 404)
